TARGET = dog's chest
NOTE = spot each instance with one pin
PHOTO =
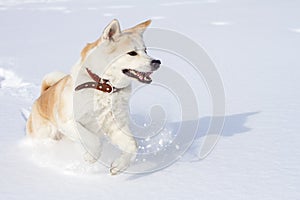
(111, 110)
(101, 112)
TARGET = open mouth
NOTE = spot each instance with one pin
(143, 77)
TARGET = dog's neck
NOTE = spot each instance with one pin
(81, 75)
(98, 83)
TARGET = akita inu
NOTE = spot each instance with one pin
(101, 78)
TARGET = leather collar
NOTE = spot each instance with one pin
(101, 84)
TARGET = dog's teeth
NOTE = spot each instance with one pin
(142, 76)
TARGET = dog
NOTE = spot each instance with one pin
(93, 99)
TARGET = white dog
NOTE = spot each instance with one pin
(93, 99)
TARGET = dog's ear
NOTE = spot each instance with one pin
(111, 30)
(140, 28)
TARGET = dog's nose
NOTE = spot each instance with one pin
(155, 64)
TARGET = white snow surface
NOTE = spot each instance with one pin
(255, 45)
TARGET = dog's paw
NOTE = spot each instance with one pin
(114, 171)
(57, 136)
(118, 166)
(89, 158)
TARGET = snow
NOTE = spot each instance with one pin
(255, 46)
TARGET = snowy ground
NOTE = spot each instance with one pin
(255, 46)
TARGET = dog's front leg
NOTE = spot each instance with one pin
(91, 142)
(128, 146)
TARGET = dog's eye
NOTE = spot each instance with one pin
(145, 51)
(132, 53)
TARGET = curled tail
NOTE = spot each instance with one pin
(50, 79)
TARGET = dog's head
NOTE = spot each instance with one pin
(121, 56)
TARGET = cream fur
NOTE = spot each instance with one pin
(87, 114)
